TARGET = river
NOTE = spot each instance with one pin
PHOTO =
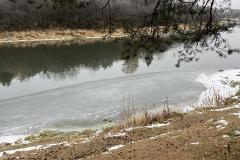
(79, 86)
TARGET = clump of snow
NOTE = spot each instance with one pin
(67, 144)
(116, 135)
(224, 109)
(98, 132)
(237, 133)
(219, 83)
(155, 137)
(115, 147)
(226, 136)
(235, 97)
(195, 143)
(221, 124)
(220, 127)
(156, 125)
(132, 128)
(87, 140)
(210, 120)
(27, 149)
(236, 114)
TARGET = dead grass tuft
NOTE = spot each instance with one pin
(215, 101)
(132, 118)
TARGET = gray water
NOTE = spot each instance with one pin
(78, 86)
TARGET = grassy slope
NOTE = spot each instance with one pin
(196, 135)
(205, 133)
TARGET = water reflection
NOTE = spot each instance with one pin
(55, 62)
(191, 48)
(215, 43)
(60, 62)
(144, 49)
(86, 83)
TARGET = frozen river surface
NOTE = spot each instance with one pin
(76, 87)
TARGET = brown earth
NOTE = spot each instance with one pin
(52, 36)
(35, 37)
(200, 134)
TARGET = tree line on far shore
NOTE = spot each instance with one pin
(104, 13)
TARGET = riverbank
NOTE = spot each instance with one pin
(53, 36)
(210, 132)
(204, 133)
(36, 37)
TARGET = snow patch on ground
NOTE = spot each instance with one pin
(132, 128)
(210, 120)
(13, 139)
(87, 140)
(116, 135)
(237, 133)
(221, 124)
(195, 143)
(226, 136)
(26, 149)
(157, 125)
(224, 109)
(115, 147)
(236, 114)
(67, 144)
(220, 83)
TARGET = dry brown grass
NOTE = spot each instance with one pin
(132, 118)
(57, 36)
(54, 34)
(213, 101)
(193, 135)
(147, 118)
(217, 100)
